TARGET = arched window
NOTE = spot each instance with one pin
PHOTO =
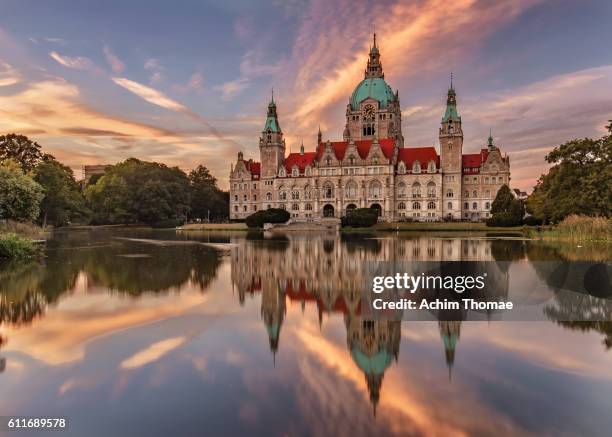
(308, 207)
(401, 189)
(466, 193)
(431, 205)
(416, 190)
(416, 205)
(416, 167)
(401, 205)
(487, 205)
(449, 205)
(306, 192)
(246, 197)
(328, 190)
(328, 161)
(474, 205)
(431, 189)
(449, 193)
(295, 171)
(475, 193)
(350, 191)
(375, 189)
(466, 205)
(268, 196)
(351, 160)
(295, 207)
(488, 193)
(295, 195)
(401, 167)
(431, 167)
(282, 195)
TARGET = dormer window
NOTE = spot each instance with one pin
(401, 168)
(295, 172)
(351, 160)
(328, 161)
(431, 168)
(281, 172)
(416, 167)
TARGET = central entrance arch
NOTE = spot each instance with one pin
(350, 207)
(376, 207)
(328, 210)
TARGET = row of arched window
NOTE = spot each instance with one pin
(416, 205)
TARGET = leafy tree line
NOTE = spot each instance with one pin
(34, 186)
(579, 182)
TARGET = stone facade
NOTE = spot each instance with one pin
(371, 167)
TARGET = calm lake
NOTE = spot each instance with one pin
(141, 332)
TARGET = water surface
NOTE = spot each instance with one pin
(140, 332)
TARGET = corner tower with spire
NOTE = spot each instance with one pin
(271, 143)
(451, 149)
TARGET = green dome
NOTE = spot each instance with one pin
(375, 364)
(374, 87)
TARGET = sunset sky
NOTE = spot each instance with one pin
(187, 82)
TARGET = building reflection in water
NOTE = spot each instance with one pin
(328, 273)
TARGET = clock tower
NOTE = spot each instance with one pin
(271, 144)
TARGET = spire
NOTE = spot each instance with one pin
(374, 67)
(451, 105)
(272, 117)
(490, 144)
(302, 148)
(319, 136)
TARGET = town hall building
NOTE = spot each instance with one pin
(370, 167)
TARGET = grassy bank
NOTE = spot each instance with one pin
(214, 227)
(19, 240)
(579, 228)
(442, 227)
(13, 246)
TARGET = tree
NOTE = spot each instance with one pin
(272, 215)
(63, 200)
(577, 183)
(360, 218)
(21, 149)
(20, 195)
(506, 210)
(140, 192)
(207, 200)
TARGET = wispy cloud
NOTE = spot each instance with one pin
(8, 75)
(195, 84)
(77, 62)
(149, 94)
(156, 68)
(232, 88)
(116, 64)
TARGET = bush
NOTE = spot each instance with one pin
(360, 218)
(580, 227)
(504, 220)
(532, 221)
(13, 246)
(272, 215)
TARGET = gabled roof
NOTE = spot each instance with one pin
(474, 161)
(301, 160)
(363, 148)
(254, 168)
(422, 154)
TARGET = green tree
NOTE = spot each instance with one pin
(577, 183)
(506, 210)
(21, 149)
(207, 200)
(20, 195)
(63, 201)
(140, 192)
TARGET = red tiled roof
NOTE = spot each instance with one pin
(363, 148)
(421, 154)
(300, 160)
(254, 168)
(473, 161)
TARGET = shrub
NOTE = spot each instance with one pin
(532, 221)
(14, 246)
(360, 218)
(272, 215)
(504, 219)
